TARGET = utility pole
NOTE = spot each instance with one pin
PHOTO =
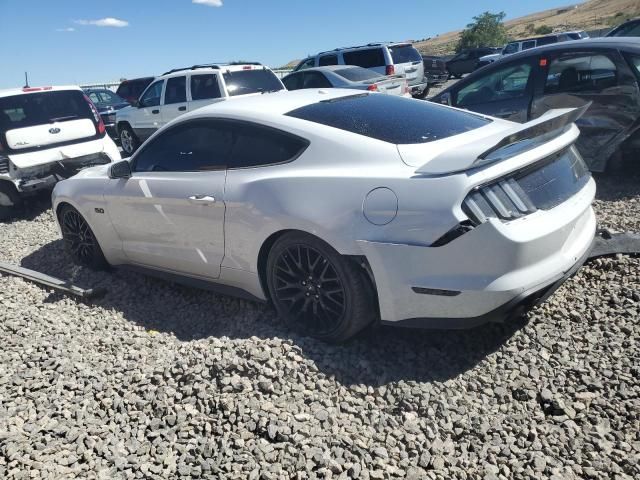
(26, 80)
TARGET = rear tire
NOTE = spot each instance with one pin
(317, 291)
(423, 95)
(10, 199)
(128, 140)
(79, 240)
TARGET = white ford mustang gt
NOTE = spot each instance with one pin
(344, 209)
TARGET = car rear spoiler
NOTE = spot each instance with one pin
(505, 143)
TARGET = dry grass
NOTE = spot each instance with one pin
(590, 15)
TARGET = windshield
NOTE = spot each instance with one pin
(104, 97)
(27, 110)
(356, 74)
(404, 54)
(244, 82)
(391, 119)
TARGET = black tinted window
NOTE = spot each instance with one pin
(151, 97)
(373, 57)
(123, 89)
(293, 82)
(315, 80)
(251, 81)
(204, 86)
(255, 145)
(580, 74)
(328, 60)
(631, 29)
(504, 83)
(390, 119)
(356, 74)
(176, 91)
(405, 54)
(136, 87)
(188, 147)
(18, 111)
(547, 41)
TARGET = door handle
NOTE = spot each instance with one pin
(155, 111)
(200, 199)
(182, 108)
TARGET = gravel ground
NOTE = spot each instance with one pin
(160, 381)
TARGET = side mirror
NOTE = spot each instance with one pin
(445, 99)
(120, 169)
(135, 103)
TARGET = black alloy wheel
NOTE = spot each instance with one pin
(316, 290)
(79, 240)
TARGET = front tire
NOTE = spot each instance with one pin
(316, 290)
(10, 199)
(79, 240)
(128, 140)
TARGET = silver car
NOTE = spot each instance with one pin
(346, 76)
(345, 208)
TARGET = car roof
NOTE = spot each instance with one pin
(27, 90)
(269, 104)
(364, 47)
(330, 68)
(601, 42)
(218, 67)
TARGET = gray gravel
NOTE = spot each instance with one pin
(160, 381)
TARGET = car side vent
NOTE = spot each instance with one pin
(4, 164)
(504, 200)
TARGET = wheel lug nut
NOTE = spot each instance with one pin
(308, 294)
(317, 296)
(304, 283)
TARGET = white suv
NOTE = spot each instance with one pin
(47, 134)
(184, 89)
(383, 58)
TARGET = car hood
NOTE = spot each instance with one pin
(490, 58)
(111, 108)
(496, 141)
(125, 110)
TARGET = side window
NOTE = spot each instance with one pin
(547, 40)
(94, 97)
(315, 80)
(580, 74)
(123, 90)
(255, 146)
(188, 147)
(308, 63)
(370, 58)
(204, 87)
(176, 91)
(293, 81)
(328, 60)
(502, 84)
(151, 98)
(510, 48)
(528, 44)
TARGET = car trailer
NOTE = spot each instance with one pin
(604, 244)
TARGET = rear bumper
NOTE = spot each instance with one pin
(437, 78)
(486, 273)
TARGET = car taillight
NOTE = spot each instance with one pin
(100, 128)
(373, 87)
(390, 70)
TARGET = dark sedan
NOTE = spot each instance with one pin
(107, 104)
(604, 72)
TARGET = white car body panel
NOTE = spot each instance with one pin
(39, 135)
(149, 220)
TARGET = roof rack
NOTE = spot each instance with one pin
(216, 66)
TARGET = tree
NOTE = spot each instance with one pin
(486, 30)
(543, 30)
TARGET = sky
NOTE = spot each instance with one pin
(85, 41)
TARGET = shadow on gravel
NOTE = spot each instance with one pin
(375, 357)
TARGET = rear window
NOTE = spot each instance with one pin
(356, 74)
(243, 82)
(30, 109)
(390, 119)
(405, 54)
(369, 58)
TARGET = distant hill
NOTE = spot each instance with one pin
(590, 15)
